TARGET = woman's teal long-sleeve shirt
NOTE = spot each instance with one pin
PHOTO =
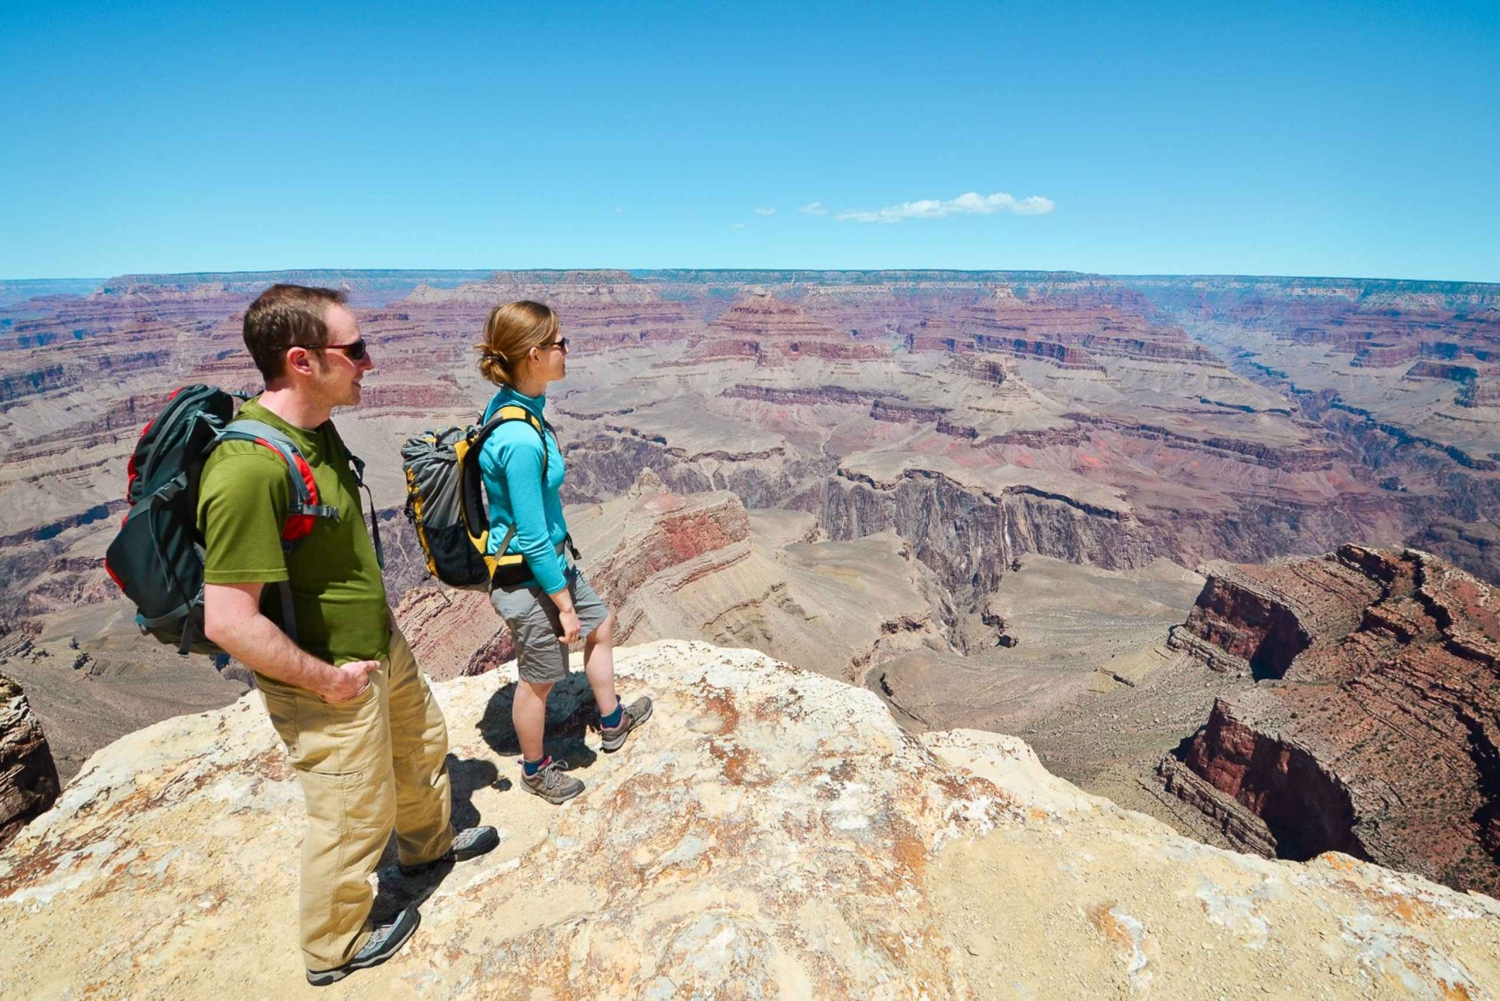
(511, 464)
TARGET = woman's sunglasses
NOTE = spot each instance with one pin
(561, 342)
(356, 351)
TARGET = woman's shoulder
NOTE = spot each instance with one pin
(512, 436)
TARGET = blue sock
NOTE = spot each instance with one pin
(613, 719)
(532, 767)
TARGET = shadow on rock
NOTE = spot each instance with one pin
(395, 891)
(570, 715)
(466, 776)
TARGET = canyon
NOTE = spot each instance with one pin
(985, 498)
(1375, 727)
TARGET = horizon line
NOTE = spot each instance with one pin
(766, 270)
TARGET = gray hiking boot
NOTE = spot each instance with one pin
(471, 842)
(385, 941)
(634, 715)
(552, 782)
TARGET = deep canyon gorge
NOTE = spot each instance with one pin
(1222, 549)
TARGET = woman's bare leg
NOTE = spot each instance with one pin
(529, 715)
(599, 664)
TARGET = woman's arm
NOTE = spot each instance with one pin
(521, 465)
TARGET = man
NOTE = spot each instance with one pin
(365, 737)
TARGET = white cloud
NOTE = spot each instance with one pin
(814, 208)
(971, 203)
(765, 211)
(618, 210)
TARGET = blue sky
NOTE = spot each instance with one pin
(1305, 139)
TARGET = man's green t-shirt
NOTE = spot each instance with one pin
(244, 495)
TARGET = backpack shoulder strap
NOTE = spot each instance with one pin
(506, 415)
(357, 467)
(304, 487)
(305, 507)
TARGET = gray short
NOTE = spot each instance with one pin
(542, 658)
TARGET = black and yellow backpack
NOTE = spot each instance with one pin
(445, 503)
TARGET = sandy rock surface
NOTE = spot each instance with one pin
(770, 833)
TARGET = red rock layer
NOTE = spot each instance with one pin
(668, 531)
(1442, 370)
(796, 396)
(449, 629)
(1070, 328)
(599, 310)
(1384, 355)
(1263, 618)
(1484, 393)
(772, 332)
(1382, 737)
(900, 413)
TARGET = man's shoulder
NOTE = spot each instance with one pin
(240, 461)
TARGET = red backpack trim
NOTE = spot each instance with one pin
(297, 526)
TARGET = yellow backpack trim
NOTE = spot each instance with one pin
(472, 506)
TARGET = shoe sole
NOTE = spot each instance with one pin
(548, 799)
(391, 948)
(609, 747)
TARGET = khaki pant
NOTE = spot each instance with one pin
(367, 765)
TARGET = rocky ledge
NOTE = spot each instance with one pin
(771, 833)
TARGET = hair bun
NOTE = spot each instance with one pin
(511, 330)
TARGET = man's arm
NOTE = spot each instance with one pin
(232, 619)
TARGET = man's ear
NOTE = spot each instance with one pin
(299, 359)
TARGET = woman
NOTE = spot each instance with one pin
(521, 353)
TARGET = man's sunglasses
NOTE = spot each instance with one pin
(356, 351)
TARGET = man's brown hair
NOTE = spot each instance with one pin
(285, 315)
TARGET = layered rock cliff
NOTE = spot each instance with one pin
(891, 418)
(28, 777)
(1378, 734)
(771, 833)
(1402, 372)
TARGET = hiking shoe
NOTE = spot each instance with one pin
(551, 782)
(634, 715)
(471, 842)
(385, 941)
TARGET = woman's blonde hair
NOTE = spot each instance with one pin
(510, 332)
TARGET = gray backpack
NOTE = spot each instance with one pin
(445, 504)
